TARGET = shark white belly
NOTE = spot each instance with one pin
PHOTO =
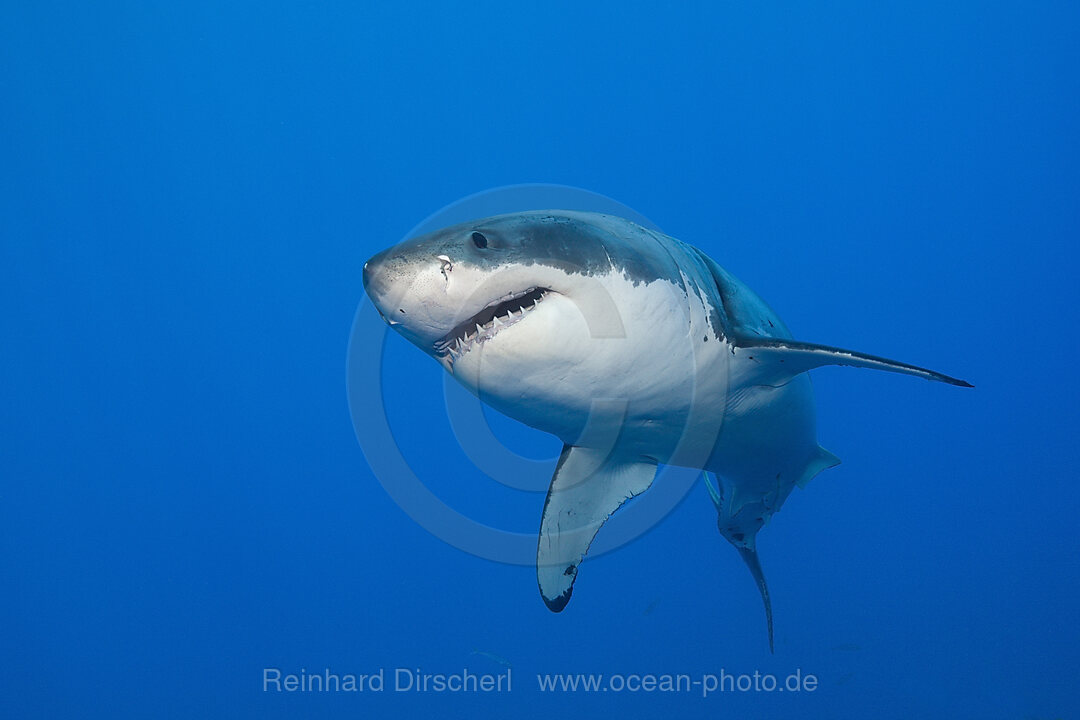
(630, 346)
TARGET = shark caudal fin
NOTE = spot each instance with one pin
(750, 557)
(747, 550)
(784, 358)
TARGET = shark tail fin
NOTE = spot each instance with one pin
(746, 544)
(750, 557)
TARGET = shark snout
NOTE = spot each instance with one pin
(391, 277)
(376, 280)
(409, 289)
(383, 283)
(369, 272)
(375, 291)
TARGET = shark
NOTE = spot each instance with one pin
(636, 350)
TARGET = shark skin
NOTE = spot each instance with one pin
(633, 348)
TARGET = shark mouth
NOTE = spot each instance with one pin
(487, 323)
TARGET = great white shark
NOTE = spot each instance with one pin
(632, 347)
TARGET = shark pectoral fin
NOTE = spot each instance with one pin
(587, 488)
(785, 358)
(822, 461)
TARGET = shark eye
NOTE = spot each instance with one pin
(479, 240)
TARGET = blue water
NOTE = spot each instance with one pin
(188, 192)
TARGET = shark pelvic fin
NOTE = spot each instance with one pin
(714, 491)
(587, 488)
(822, 461)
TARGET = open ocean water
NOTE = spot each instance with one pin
(189, 190)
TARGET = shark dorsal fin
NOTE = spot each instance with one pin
(756, 331)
